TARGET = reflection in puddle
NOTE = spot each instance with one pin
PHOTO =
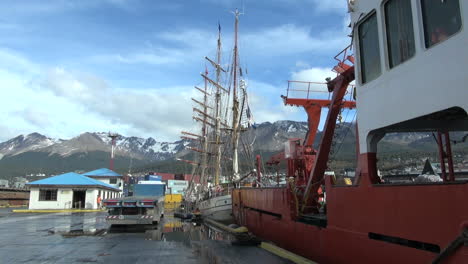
(131, 228)
(177, 230)
(81, 232)
(155, 235)
(78, 224)
(170, 229)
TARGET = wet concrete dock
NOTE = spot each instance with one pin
(86, 238)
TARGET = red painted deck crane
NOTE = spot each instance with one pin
(302, 157)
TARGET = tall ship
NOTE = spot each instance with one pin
(223, 113)
(409, 76)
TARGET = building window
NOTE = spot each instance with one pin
(400, 35)
(47, 195)
(113, 181)
(441, 19)
(369, 50)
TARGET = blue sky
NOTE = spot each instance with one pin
(129, 66)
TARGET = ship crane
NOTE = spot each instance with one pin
(338, 86)
(301, 158)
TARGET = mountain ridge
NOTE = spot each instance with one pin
(139, 148)
(36, 153)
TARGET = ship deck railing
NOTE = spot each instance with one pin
(312, 90)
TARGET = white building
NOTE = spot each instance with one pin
(69, 190)
(107, 176)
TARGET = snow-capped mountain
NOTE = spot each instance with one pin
(135, 147)
(25, 143)
(271, 136)
(94, 148)
(36, 153)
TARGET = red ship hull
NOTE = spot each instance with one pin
(366, 223)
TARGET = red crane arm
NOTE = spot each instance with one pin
(338, 86)
(313, 107)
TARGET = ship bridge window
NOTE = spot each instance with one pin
(369, 51)
(441, 19)
(400, 35)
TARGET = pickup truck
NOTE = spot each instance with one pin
(146, 208)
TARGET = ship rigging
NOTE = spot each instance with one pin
(223, 113)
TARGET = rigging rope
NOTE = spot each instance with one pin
(340, 143)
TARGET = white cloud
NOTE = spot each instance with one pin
(189, 45)
(316, 91)
(24, 109)
(302, 64)
(8, 132)
(313, 75)
(63, 103)
(161, 112)
(267, 105)
(56, 6)
(152, 58)
(287, 39)
(181, 47)
(34, 116)
(338, 6)
(14, 61)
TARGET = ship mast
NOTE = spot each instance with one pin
(235, 105)
(204, 137)
(217, 110)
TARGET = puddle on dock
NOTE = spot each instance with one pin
(209, 244)
(79, 224)
(177, 230)
(81, 232)
(169, 229)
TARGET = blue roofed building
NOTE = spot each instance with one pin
(67, 191)
(107, 176)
